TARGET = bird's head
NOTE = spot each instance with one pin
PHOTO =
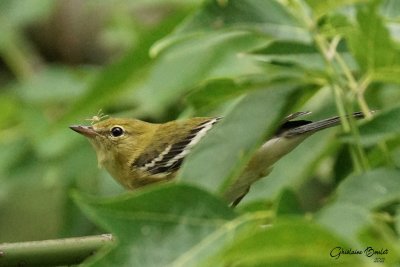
(116, 140)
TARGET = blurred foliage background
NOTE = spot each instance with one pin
(63, 61)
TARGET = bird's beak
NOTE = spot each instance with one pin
(87, 131)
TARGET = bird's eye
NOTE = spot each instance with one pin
(117, 131)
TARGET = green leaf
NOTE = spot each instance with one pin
(381, 127)
(9, 112)
(390, 8)
(387, 74)
(21, 13)
(215, 15)
(267, 17)
(356, 197)
(291, 53)
(195, 60)
(380, 237)
(53, 86)
(321, 8)
(288, 203)
(345, 219)
(286, 243)
(224, 152)
(370, 190)
(300, 54)
(174, 225)
(370, 42)
(397, 220)
(216, 92)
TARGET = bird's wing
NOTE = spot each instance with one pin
(168, 155)
(289, 123)
(312, 127)
(295, 115)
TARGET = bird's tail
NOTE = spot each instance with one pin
(311, 127)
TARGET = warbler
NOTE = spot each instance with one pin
(138, 153)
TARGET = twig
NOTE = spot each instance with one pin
(52, 252)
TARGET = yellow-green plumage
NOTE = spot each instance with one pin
(140, 142)
(137, 153)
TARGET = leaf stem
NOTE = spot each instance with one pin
(343, 104)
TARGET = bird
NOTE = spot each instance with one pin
(138, 153)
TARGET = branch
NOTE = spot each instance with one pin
(52, 252)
